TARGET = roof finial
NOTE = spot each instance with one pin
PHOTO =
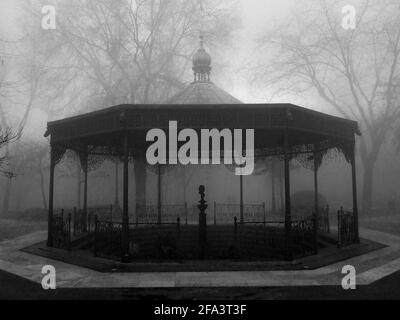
(201, 63)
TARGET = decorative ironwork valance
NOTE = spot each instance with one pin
(101, 133)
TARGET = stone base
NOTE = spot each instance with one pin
(82, 258)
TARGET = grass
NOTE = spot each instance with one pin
(389, 224)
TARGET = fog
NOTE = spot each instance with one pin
(258, 51)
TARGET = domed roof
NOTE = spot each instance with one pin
(201, 58)
(202, 90)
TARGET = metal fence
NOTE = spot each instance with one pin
(158, 241)
(103, 212)
(346, 228)
(249, 240)
(323, 219)
(107, 238)
(79, 222)
(66, 228)
(169, 213)
(177, 236)
(225, 212)
(61, 230)
(258, 240)
(218, 213)
(304, 236)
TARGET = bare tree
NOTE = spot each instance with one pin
(126, 51)
(6, 138)
(107, 52)
(353, 71)
(6, 134)
(21, 76)
(31, 159)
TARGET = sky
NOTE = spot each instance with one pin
(255, 13)
(7, 13)
(255, 16)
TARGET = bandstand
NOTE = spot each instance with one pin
(285, 131)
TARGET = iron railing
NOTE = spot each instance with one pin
(323, 219)
(249, 240)
(219, 213)
(61, 231)
(304, 236)
(107, 238)
(146, 240)
(169, 213)
(346, 228)
(156, 241)
(225, 212)
(258, 239)
(79, 222)
(103, 213)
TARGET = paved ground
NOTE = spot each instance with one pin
(378, 276)
(15, 287)
(370, 267)
(327, 255)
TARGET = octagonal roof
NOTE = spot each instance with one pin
(202, 90)
(202, 93)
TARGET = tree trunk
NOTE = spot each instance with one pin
(7, 193)
(368, 161)
(367, 190)
(17, 197)
(146, 92)
(42, 188)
